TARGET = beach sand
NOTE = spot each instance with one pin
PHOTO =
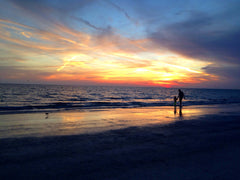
(202, 142)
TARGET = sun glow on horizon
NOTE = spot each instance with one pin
(119, 67)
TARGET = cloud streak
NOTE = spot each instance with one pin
(87, 23)
(86, 40)
(121, 10)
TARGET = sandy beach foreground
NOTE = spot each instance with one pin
(139, 143)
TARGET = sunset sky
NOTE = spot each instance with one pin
(187, 43)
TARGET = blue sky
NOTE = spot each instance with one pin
(185, 43)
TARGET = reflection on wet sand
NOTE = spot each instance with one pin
(178, 111)
(91, 121)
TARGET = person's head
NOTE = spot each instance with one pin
(179, 90)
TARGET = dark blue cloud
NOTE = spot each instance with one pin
(229, 76)
(227, 72)
(201, 37)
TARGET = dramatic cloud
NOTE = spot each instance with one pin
(165, 43)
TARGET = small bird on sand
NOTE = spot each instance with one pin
(46, 115)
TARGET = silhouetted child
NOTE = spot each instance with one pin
(175, 100)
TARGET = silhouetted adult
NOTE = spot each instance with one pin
(180, 96)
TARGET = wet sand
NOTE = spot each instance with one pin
(141, 143)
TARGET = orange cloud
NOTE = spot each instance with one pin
(106, 58)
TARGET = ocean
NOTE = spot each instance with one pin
(27, 98)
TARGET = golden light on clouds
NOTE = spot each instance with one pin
(86, 57)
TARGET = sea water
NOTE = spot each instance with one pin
(98, 109)
(17, 97)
